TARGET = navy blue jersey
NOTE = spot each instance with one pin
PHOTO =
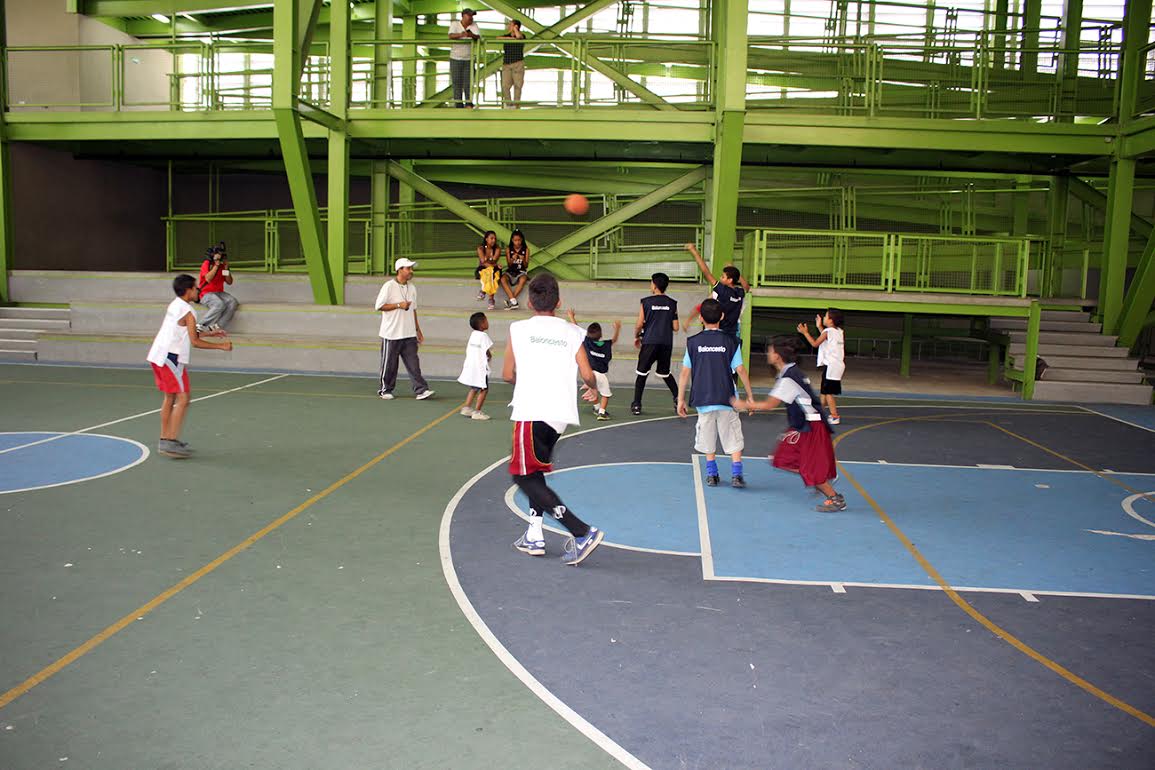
(803, 407)
(659, 313)
(712, 354)
(731, 299)
(599, 353)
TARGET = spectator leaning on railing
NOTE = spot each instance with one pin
(513, 65)
(461, 55)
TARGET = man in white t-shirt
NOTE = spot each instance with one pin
(169, 357)
(461, 54)
(400, 332)
(542, 357)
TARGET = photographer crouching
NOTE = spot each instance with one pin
(220, 306)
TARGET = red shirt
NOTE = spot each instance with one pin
(216, 284)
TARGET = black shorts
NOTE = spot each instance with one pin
(655, 354)
(829, 387)
(513, 272)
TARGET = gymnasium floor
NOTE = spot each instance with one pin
(330, 583)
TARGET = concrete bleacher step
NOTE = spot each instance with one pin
(34, 324)
(1091, 339)
(1129, 377)
(1116, 363)
(1064, 315)
(1046, 350)
(34, 313)
(1020, 324)
(1092, 392)
(440, 358)
(16, 355)
(17, 334)
(307, 320)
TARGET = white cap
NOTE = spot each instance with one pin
(403, 262)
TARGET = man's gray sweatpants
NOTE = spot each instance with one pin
(219, 309)
(406, 350)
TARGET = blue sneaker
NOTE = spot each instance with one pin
(531, 547)
(578, 549)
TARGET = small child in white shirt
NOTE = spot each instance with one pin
(831, 344)
(475, 370)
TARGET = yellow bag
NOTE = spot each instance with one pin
(489, 279)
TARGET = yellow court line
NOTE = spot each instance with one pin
(153, 387)
(966, 606)
(54, 668)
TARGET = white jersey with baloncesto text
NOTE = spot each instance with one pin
(545, 351)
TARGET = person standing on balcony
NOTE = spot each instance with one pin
(220, 306)
(461, 56)
(513, 66)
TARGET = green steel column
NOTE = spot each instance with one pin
(1032, 353)
(1140, 296)
(380, 215)
(1032, 20)
(409, 62)
(382, 55)
(746, 326)
(1058, 200)
(6, 251)
(907, 344)
(288, 56)
(338, 166)
(729, 126)
(1116, 240)
(1000, 37)
(1069, 70)
(1136, 25)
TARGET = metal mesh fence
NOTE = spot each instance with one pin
(963, 265)
(819, 259)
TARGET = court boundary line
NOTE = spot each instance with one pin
(152, 604)
(510, 503)
(145, 453)
(141, 414)
(889, 464)
(1116, 419)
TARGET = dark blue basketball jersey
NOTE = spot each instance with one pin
(711, 352)
(659, 313)
(599, 354)
(731, 299)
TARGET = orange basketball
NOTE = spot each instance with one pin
(576, 204)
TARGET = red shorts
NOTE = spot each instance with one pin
(170, 378)
(809, 454)
(533, 444)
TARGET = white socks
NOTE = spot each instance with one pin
(534, 534)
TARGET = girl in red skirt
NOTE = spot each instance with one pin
(806, 447)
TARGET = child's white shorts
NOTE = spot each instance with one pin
(724, 425)
(603, 383)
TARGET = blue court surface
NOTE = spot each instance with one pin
(992, 529)
(38, 459)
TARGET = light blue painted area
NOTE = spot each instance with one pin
(64, 460)
(1001, 529)
(643, 505)
(770, 530)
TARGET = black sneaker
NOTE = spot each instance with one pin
(635, 408)
(737, 482)
(712, 481)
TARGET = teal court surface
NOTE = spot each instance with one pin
(330, 582)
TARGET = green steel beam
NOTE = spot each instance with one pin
(880, 302)
(729, 130)
(1139, 143)
(624, 214)
(1116, 240)
(379, 206)
(321, 117)
(1097, 198)
(1136, 27)
(471, 215)
(907, 344)
(1139, 298)
(1069, 67)
(340, 66)
(1031, 354)
(287, 42)
(7, 254)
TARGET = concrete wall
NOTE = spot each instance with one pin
(71, 214)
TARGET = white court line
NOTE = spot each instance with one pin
(1129, 506)
(703, 523)
(579, 722)
(980, 467)
(144, 454)
(1028, 596)
(1117, 419)
(510, 503)
(59, 436)
(1008, 409)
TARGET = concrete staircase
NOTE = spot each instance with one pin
(1083, 365)
(115, 316)
(20, 328)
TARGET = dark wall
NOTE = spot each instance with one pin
(71, 214)
(252, 192)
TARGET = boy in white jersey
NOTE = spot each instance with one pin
(831, 344)
(475, 370)
(169, 357)
(541, 358)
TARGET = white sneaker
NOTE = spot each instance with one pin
(479, 416)
(386, 396)
(424, 395)
(835, 421)
(467, 411)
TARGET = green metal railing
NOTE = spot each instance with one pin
(889, 262)
(1145, 98)
(980, 77)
